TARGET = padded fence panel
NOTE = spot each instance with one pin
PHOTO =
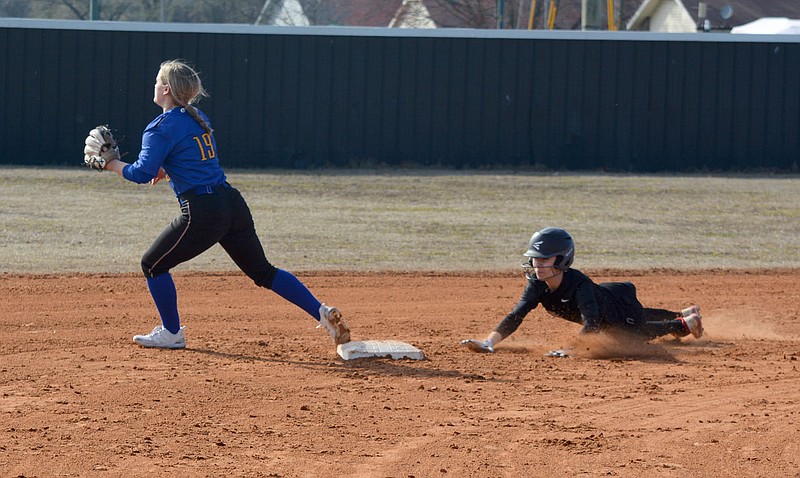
(304, 98)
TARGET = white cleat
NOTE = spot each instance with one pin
(331, 319)
(162, 338)
(478, 345)
(691, 310)
(694, 324)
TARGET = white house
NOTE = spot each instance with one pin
(282, 13)
(666, 16)
(412, 14)
(686, 16)
(770, 26)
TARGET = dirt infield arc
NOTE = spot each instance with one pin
(259, 392)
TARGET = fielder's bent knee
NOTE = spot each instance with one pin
(265, 279)
(150, 270)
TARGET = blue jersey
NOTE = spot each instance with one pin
(176, 142)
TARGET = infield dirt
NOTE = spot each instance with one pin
(259, 392)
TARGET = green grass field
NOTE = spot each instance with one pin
(77, 220)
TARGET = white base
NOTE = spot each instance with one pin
(379, 348)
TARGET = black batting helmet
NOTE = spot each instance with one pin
(552, 241)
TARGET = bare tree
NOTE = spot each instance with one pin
(327, 12)
(14, 9)
(113, 10)
(446, 13)
(204, 11)
(463, 13)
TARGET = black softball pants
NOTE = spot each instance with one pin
(647, 322)
(221, 216)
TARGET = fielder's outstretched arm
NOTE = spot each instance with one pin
(116, 165)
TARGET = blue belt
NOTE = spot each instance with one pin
(205, 190)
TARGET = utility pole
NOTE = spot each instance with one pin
(531, 15)
(590, 15)
(93, 9)
(611, 13)
(500, 13)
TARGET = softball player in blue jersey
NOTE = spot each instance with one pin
(179, 145)
(569, 294)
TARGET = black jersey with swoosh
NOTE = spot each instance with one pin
(578, 299)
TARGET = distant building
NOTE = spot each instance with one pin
(282, 13)
(770, 26)
(412, 14)
(642, 15)
(688, 16)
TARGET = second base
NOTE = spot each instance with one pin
(379, 348)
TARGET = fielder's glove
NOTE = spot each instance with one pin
(100, 148)
(485, 346)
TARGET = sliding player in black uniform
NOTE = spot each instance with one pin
(571, 295)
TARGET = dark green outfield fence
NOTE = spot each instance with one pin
(352, 97)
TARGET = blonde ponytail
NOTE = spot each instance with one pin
(185, 87)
